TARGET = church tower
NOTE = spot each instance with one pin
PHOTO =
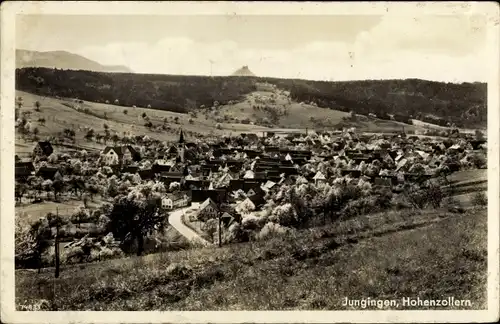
(181, 147)
(181, 137)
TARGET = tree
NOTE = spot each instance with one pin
(36, 131)
(480, 199)
(144, 115)
(478, 135)
(131, 220)
(57, 187)
(115, 138)
(19, 102)
(174, 186)
(40, 235)
(90, 135)
(41, 121)
(76, 185)
(37, 105)
(47, 186)
(20, 190)
(112, 189)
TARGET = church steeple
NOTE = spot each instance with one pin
(181, 137)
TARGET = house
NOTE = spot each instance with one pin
(208, 210)
(224, 180)
(319, 177)
(251, 203)
(227, 219)
(476, 144)
(43, 149)
(198, 196)
(249, 174)
(146, 174)
(174, 201)
(402, 165)
(23, 170)
(351, 172)
(168, 177)
(130, 169)
(49, 173)
(191, 177)
(241, 184)
(382, 182)
(268, 185)
(195, 184)
(255, 191)
(161, 166)
(113, 155)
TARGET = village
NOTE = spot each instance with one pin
(231, 189)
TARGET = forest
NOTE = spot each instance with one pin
(437, 102)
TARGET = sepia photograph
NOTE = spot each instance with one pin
(220, 161)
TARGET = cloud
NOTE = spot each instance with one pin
(437, 48)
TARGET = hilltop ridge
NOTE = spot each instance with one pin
(243, 71)
(63, 60)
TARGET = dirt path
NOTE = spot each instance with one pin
(175, 219)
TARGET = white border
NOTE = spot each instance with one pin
(8, 13)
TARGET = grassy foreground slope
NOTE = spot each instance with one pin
(437, 254)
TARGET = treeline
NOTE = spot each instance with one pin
(163, 92)
(436, 102)
(462, 104)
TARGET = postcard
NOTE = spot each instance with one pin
(249, 162)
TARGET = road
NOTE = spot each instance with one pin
(175, 219)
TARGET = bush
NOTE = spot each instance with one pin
(284, 215)
(360, 206)
(453, 205)
(480, 199)
(271, 230)
(179, 270)
(434, 195)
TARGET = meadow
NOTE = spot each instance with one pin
(311, 269)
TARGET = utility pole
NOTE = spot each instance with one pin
(219, 213)
(211, 64)
(220, 228)
(56, 242)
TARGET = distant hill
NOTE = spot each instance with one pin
(244, 71)
(463, 104)
(62, 60)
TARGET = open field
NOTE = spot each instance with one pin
(61, 113)
(423, 124)
(313, 269)
(468, 176)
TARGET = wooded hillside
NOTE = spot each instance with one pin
(437, 102)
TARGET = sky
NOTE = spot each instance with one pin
(330, 47)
